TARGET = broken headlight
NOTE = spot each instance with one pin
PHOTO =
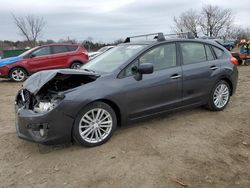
(47, 105)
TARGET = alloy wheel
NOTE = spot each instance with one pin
(95, 125)
(221, 95)
(18, 75)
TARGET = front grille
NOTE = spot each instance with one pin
(26, 95)
(24, 98)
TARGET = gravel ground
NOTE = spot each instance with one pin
(196, 148)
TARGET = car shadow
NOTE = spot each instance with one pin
(162, 116)
(145, 123)
(6, 80)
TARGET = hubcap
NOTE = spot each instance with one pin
(18, 75)
(221, 95)
(95, 125)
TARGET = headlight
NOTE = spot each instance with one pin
(48, 102)
(45, 106)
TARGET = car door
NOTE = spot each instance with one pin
(60, 56)
(39, 59)
(158, 91)
(199, 67)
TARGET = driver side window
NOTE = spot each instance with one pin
(161, 57)
(42, 51)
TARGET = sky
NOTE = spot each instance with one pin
(107, 20)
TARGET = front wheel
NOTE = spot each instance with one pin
(94, 125)
(18, 74)
(219, 97)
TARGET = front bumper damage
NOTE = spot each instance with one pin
(51, 126)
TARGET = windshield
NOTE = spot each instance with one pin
(112, 59)
(27, 52)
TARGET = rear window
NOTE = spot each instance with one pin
(72, 48)
(193, 52)
(218, 52)
(210, 55)
(59, 49)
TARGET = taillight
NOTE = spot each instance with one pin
(234, 60)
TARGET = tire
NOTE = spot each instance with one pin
(247, 62)
(18, 74)
(86, 127)
(221, 92)
(76, 65)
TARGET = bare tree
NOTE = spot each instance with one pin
(89, 38)
(214, 19)
(232, 32)
(187, 21)
(30, 27)
(118, 41)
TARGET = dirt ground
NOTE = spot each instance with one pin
(198, 148)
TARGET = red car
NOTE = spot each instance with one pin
(53, 56)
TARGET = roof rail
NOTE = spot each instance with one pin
(158, 36)
(161, 37)
(186, 35)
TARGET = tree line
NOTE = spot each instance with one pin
(211, 21)
(31, 27)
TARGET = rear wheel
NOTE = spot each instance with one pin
(95, 124)
(76, 65)
(219, 97)
(247, 62)
(18, 74)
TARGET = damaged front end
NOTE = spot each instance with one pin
(36, 105)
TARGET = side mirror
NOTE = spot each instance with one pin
(32, 55)
(146, 68)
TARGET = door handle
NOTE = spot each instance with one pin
(175, 76)
(214, 67)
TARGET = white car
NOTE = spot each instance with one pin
(92, 55)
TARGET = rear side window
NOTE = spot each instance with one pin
(218, 52)
(59, 49)
(210, 55)
(72, 48)
(193, 52)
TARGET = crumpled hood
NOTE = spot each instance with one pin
(35, 82)
(10, 60)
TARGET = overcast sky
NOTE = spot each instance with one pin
(107, 20)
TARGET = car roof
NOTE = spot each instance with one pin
(61, 44)
(154, 42)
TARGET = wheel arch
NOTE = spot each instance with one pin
(112, 104)
(75, 61)
(115, 108)
(229, 83)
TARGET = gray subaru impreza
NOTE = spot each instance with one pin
(131, 81)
